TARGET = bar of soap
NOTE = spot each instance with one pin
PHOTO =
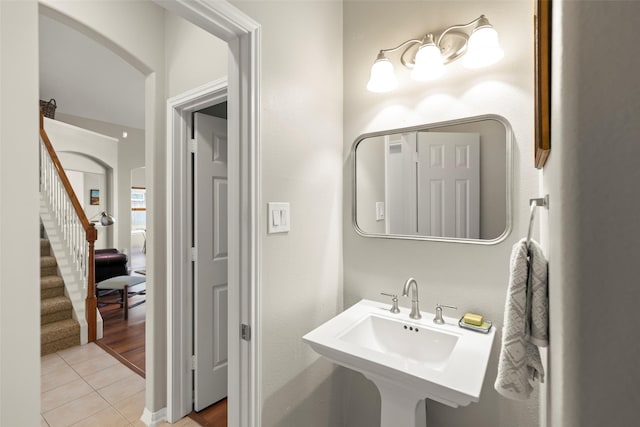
(473, 319)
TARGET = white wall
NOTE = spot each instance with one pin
(78, 148)
(86, 175)
(470, 276)
(193, 56)
(131, 156)
(19, 203)
(301, 138)
(592, 178)
(138, 177)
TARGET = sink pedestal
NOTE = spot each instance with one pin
(400, 407)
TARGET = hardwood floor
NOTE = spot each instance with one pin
(213, 416)
(124, 339)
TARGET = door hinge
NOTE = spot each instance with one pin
(246, 332)
(192, 146)
(194, 254)
(193, 362)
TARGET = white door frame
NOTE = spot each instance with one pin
(242, 35)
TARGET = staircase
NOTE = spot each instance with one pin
(59, 330)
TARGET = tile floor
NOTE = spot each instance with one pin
(85, 386)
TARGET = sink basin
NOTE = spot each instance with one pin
(406, 341)
(408, 360)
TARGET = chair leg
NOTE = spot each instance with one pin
(126, 301)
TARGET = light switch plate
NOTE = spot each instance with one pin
(379, 211)
(278, 217)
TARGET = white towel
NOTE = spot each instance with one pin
(526, 322)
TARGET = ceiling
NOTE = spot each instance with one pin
(87, 79)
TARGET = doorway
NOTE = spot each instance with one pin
(200, 156)
(243, 37)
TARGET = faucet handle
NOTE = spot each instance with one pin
(394, 302)
(438, 318)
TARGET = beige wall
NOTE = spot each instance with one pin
(301, 145)
(593, 230)
(19, 203)
(470, 276)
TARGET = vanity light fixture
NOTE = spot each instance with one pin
(477, 48)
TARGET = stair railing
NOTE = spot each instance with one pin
(79, 233)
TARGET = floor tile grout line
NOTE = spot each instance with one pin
(62, 404)
(120, 412)
(88, 416)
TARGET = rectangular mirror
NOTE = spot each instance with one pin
(448, 181)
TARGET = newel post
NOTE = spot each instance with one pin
(91, 303)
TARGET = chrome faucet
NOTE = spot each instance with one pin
(415, 309)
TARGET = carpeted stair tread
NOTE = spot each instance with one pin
(55, 304)
(51, 286)
(47, 282)
(48, 266)
(58, 330)
(58, 345)
(44, 247)
(59, 335)
(48, 261)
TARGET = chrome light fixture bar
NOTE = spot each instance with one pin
(475, 42)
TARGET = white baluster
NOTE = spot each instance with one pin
(70, 226)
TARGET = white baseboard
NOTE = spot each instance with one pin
(153, 419)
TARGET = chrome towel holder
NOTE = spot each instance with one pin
(534, 203)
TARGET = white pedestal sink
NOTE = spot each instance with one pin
(408, 360)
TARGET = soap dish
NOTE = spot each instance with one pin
(484, 328)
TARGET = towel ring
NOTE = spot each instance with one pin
(534, 203)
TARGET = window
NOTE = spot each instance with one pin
(138, 208)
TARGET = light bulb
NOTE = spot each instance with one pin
(428, 63)
(383, 78)
(483, 48)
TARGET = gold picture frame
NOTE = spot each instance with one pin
(542, 36)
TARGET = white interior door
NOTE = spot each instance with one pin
(449, 184)
(210, 278)
(400, 183)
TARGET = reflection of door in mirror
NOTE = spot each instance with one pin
(449, 184)
(400, 184)
(432, 184)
